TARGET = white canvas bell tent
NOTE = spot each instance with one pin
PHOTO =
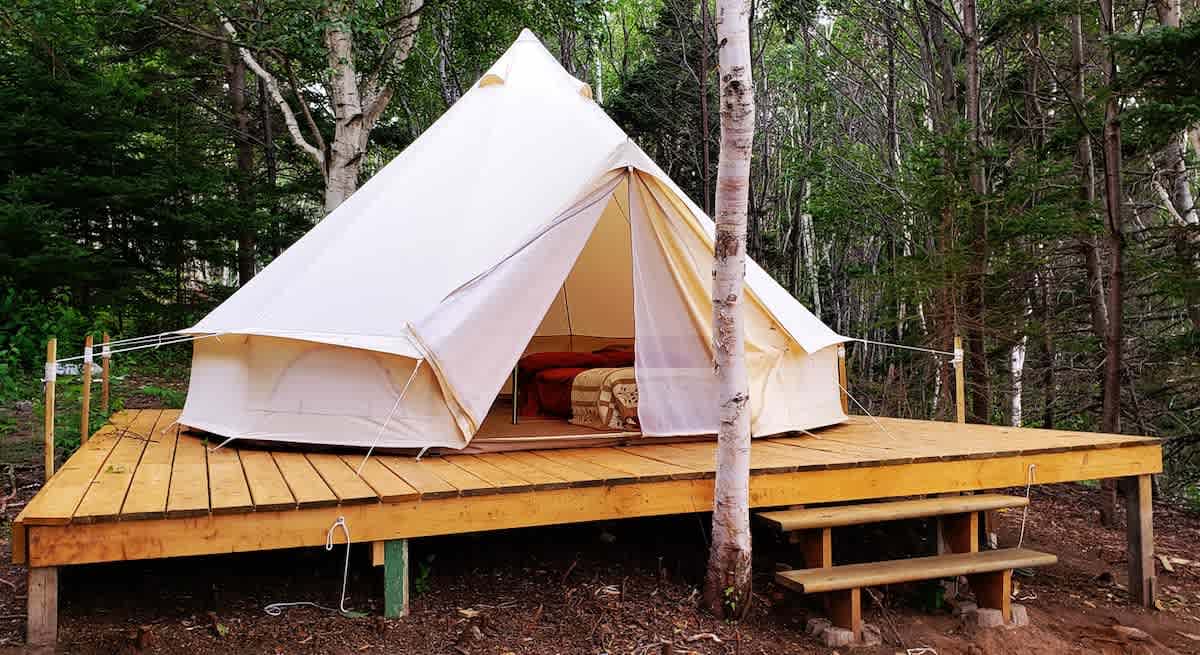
(523, 220)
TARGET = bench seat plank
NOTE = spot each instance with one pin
(833, 517)
(874, 574)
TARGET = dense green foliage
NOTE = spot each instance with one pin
(122, 202)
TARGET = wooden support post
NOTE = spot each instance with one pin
(958, 533)
(1139, 533)
(85, 412)
(395, 578)
(845, 610)
(42, 626)
(842, 381)
(377, 553)
(994, 591)
(960, 385)
(105, 359)
(816, 546)
(51, 368)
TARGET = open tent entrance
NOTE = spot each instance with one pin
(589, 322)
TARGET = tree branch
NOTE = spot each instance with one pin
(289, 117)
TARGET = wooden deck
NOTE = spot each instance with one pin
(142, 489)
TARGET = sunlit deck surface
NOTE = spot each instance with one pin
(140, 488)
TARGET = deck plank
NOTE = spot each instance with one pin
(570, 457)
(342, 480)
(537, 476)
(55, 504)
(108, 490)
(303, 481)
(481, 467)
(464, 481)
(227, 488)
(386, 484)
(147, 497)
(268, 490)
(572, 476)
(419, 476)
(637, 466)
(188, 495)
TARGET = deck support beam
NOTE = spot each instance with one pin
(1139, 533)
(395, 578)
(42, 626)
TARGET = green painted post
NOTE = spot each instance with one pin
(395, 578)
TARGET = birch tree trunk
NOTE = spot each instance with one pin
(1177, 185)
(727, 589)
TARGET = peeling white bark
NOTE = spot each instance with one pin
(727, 585)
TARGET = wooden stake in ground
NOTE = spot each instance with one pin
(727, 584)
(960, 386)
(48, 436)
(105, 359)
(85, 411)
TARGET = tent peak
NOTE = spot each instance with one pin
(528, 35)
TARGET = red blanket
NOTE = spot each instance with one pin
(544, 379)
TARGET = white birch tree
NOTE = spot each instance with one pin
(727, 589)
(356, 99)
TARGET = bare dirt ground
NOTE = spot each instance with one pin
(620, 587)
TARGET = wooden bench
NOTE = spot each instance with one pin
(958, 521)
(989, 572)
(958, 517)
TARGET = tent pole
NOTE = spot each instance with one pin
(514, 386)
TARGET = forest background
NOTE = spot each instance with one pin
(1018, 172)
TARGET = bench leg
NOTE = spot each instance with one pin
(42, 623)
(817, 547)
(994, 591)
(1139, 533)
(395, 578)
(845, 610)
(958, 533)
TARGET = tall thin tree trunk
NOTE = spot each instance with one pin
(727, 590)
(235, 78)
(1087, 189)
(271, 161)
(1115, 236)
(977, 371)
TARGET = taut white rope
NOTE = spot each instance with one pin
(156, 344)
(896, 345)
(867, 412)
(395, 405)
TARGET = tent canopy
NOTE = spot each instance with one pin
(524, 218)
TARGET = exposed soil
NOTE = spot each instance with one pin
(617, 587)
